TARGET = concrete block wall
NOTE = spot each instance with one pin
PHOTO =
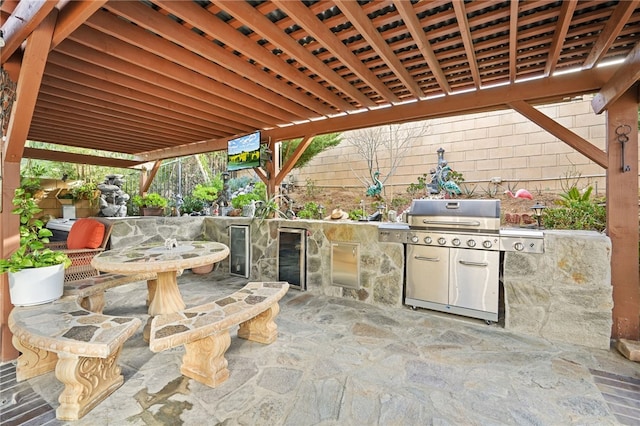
(498, 144)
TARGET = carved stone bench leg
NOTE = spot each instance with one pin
(33, 361)
(94, 303)
(204, 359)
(87, 382)
(261, 328)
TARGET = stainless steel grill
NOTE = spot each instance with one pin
(453, 254)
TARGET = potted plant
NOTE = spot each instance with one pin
(151, 204)
(36, 273)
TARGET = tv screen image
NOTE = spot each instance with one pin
(243, 152)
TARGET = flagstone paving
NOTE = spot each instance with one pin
(343, 362)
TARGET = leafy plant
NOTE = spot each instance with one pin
(85, 191)
(239, 201)
(152, 199)
(577, 211)
(191, 204)
(357, 214)
(419, 188)
(573, 195)
(311, 210)
(205, 193)
(32, 252)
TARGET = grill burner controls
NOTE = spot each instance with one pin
(441, 239)
(522, 241)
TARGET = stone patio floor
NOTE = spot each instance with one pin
(343, 362)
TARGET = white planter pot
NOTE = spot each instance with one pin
(35, 286)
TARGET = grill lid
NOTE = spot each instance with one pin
(471, 215)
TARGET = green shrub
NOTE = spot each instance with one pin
(310, 210)
(152, 199)
(239, 201)
(191, 204)
(577, 211)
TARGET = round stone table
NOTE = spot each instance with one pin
(164, 261)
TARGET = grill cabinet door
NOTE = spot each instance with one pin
(428, 273)
(474, 279)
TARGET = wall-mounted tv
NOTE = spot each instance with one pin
(243, 152)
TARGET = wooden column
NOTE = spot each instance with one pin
(30, 77)
(622, 214)
(10, 242)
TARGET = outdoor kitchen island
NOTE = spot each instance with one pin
(563, 294)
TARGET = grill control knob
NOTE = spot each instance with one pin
(415, 239)
(442, 241)
(486, 244)
(471, 243)
(455, 242)
(518, 246)
(428, 240)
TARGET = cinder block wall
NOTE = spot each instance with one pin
(500, 144)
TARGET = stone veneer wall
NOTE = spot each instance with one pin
(381, 264)
(564, 294)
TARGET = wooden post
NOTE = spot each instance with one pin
(10, 242)
(622, 213)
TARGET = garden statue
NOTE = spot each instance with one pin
(440, 179)
(375, 189)
(113, 200)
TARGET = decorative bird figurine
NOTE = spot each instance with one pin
(520, 193)
(375, 189)
(451, 187)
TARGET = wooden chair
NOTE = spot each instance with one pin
(81, 258)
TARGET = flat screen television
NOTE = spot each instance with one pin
(243, 152)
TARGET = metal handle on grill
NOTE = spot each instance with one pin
(450, 222)
(467, 263)
(428, 259)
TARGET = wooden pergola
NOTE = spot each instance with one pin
(159, 79)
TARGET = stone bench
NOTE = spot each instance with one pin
(83, 347)
(90, 291)
(204, 330)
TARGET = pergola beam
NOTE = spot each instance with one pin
(26, 17)
(70, 157)
(553, 89)
(567, 136)
(622, 80)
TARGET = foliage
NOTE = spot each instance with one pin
(311, 188)
(357, 214)
(241, 200)
(398, 202)
(573, 195)
(239, 182)
(191, 204)
(207, 193)
(32, 252)
(317, 145)
(85, 191)
(152, 199)
(456, 177)
(419, 188)
(576, 211)
(311, 210)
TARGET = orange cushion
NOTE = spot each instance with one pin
(85, 234)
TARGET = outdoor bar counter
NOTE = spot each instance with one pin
(564, 294)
